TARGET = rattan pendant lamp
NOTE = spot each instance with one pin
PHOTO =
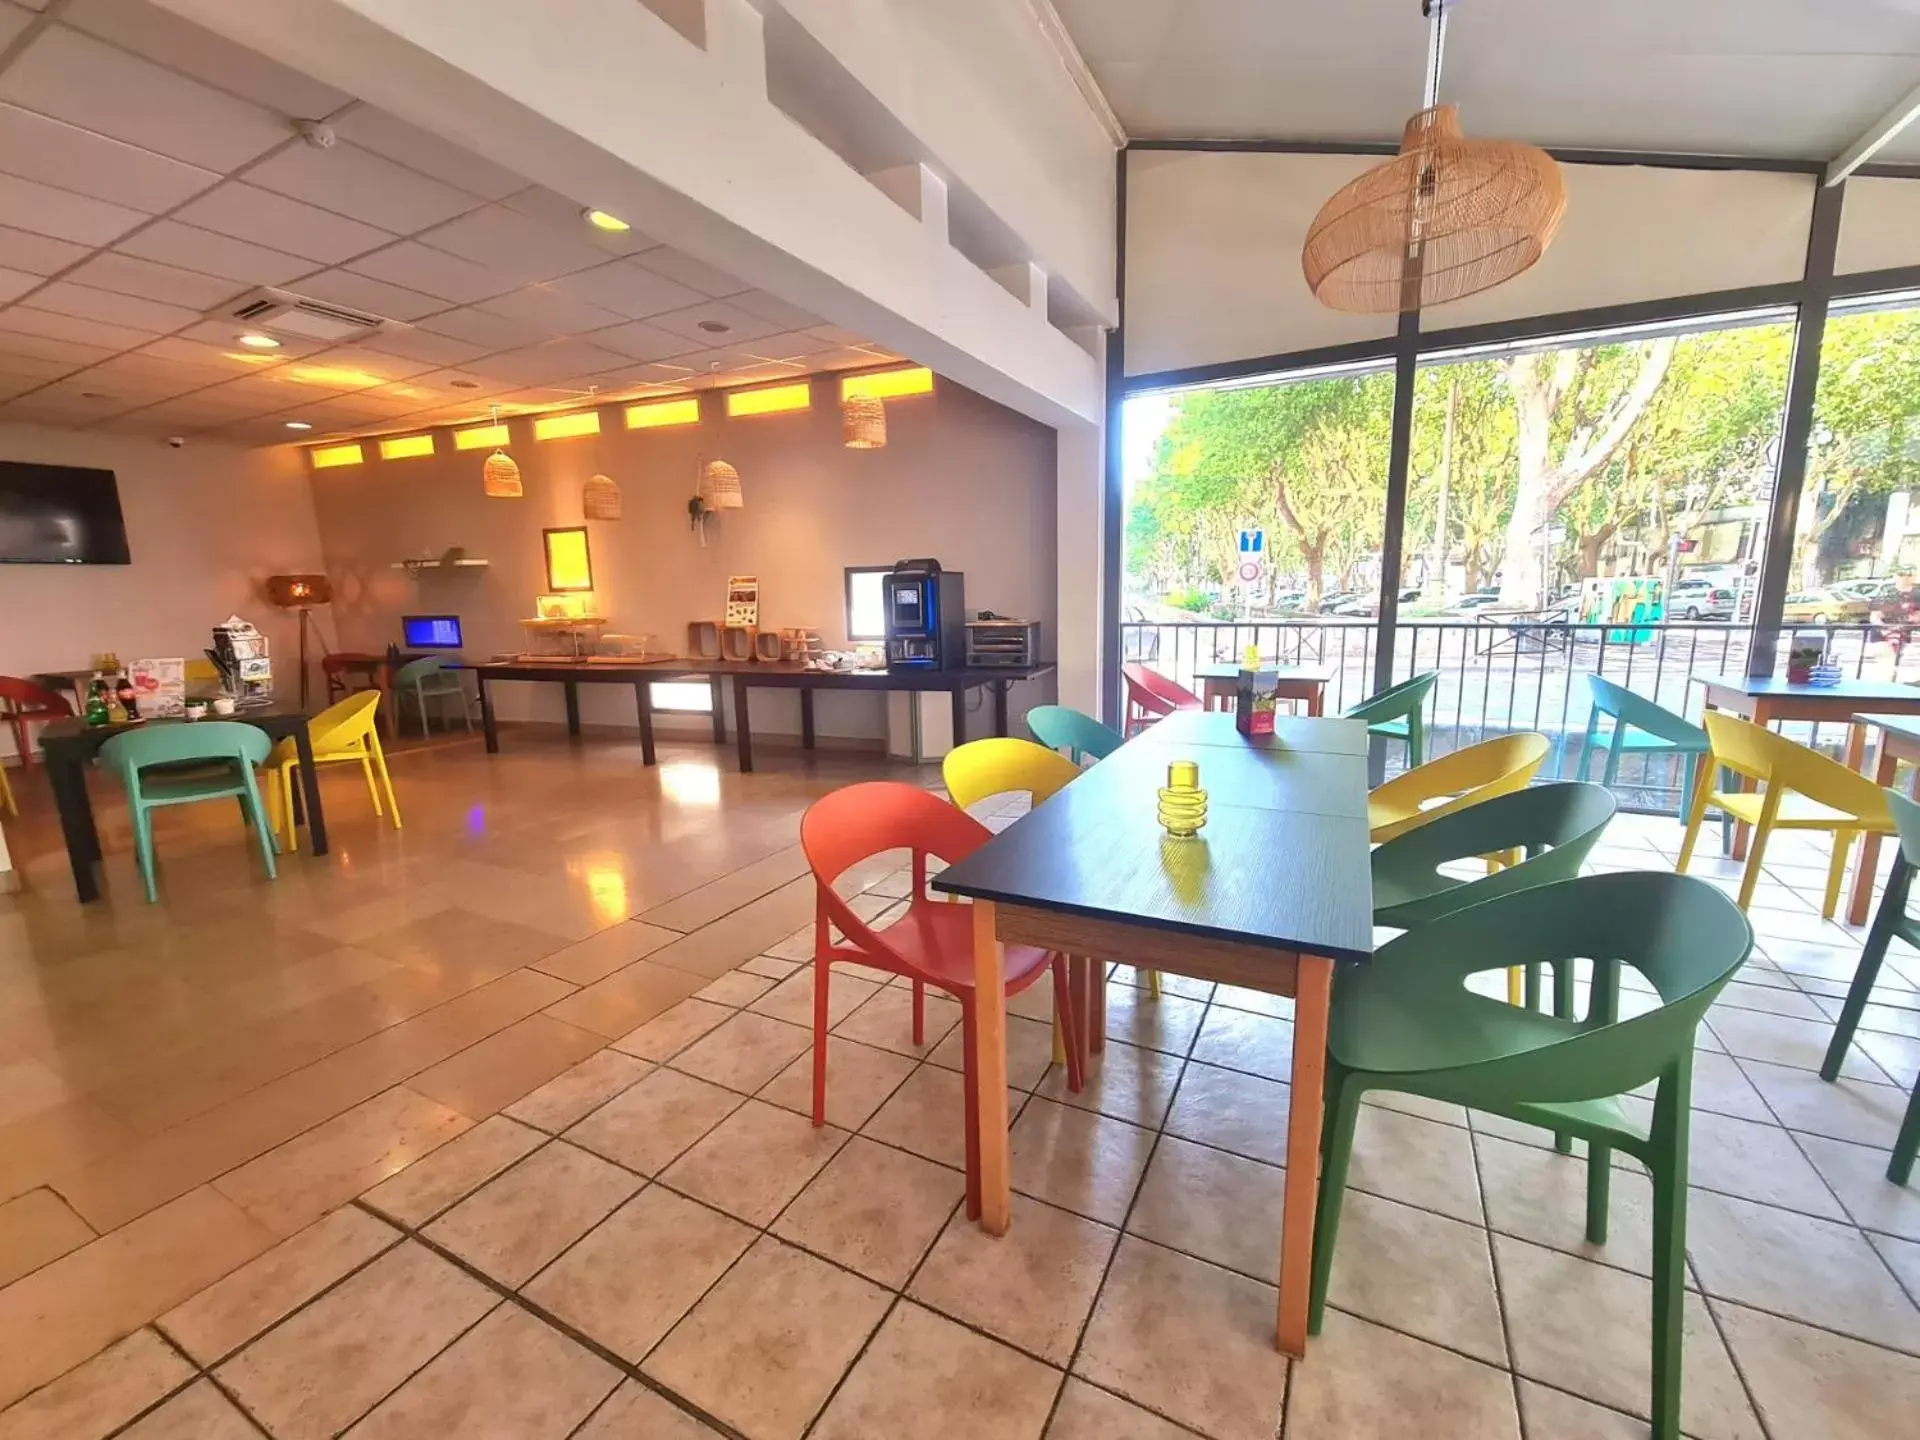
(1446, 217)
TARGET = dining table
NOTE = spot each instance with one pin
(1305, 684)
(1273, 892)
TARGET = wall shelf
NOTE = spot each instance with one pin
(462, 564)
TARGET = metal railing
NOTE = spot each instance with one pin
(1501, 676)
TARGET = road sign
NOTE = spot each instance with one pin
(1253, 543)
(1250, 571)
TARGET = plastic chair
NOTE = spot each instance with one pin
(1804, 791)
(1151, 695)
(1889, 921)
(932, 944)
(1453, 782)
(135, 754)
(1639, 727)
(1060, 727)
(7, 801)
(426, 676)
(1407, 1022)
(1399, 713)
(26, 704)
(343, 733)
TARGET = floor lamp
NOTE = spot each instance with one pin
(301, 593)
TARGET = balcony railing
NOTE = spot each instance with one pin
(1499, 676)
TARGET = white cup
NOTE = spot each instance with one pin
(223, 705)
(196, 709)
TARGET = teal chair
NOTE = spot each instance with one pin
(1060, 727)
(1406, 1022)
(1398, 713)
(1638, 726)
(430, 675)
(157, 767)
(1890, 921)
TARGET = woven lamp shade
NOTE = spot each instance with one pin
(1478, 212)
(863, 422)
(720, 483)
(503, 477)
(600, 499)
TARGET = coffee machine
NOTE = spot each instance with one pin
(926, 614)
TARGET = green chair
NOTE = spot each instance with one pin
(430, 675)
(1406, 1022)
(1638, 726)
(1398, 714)
(154, 765)
(1060, 727)
(1889, 921)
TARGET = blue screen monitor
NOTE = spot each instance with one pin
(431, 632)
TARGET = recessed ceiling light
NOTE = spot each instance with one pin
(298, 425)
(259, 342)
(601, 220)
(463, 384)
(715, 327)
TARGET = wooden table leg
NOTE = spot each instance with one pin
(990, 1072)
(488, 725)
(1862, 902)
(1312, 997)
(806, 717)
(719, 710)
(573, 708)
(643, 704)
(1316, 698)
(743, 730)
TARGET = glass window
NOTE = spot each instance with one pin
(690, 695)
(866, 602)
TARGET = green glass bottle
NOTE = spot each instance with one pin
(97, 703)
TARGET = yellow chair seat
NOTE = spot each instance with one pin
(340, 734)
(1797, 812)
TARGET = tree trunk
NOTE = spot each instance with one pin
(1316, 558)
(1590, 548)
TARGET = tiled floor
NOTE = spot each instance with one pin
(496, 1127)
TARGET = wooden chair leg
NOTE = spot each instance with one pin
(1063, 1010)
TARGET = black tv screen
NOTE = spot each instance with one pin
(60, 515)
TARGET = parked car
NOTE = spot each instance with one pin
(1874, 589)
(1714, 602)
(1824, 607)
(1477, 601)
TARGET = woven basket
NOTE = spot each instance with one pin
(503, 477)
(720, 486)
(600, 499)
(863, 422)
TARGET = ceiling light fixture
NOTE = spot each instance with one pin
(298, 425)
(601, 220)
(500, 476)
(714, 327)
(256, 341)
(1446, 217)
(863, 422)
(463, 384)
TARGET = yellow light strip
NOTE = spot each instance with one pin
(664, 412)
(406, 447)
(772, 400)
(565, 427)
(328, 456)
(481, 437)
(889, 384)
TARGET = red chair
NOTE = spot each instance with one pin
(25, 703)
(932, 944)
(1151, 696)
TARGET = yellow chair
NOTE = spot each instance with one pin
(1453, 782)
(341, 734)
(6, 794)
(1804, 790)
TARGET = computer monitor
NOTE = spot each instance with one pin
(431, 632)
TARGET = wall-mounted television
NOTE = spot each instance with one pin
(60, 515)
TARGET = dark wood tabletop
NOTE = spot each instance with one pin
(71, 734)
(784, 674)
(1259, 777)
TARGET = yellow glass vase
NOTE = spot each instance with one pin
(1183, 804)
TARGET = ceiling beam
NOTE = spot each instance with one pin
(1875, 137)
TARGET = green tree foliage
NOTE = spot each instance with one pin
(1866, 434)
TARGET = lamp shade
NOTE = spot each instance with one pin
(863, 422)
(503, 477)
(1446, 217)
(720, 486)
(295, 592)
(600, 498)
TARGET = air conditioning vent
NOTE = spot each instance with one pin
(282, 312)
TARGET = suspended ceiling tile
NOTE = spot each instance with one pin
(850, 358)
(27, 320)
(12, 22)
(416, 344)
(550, 311)
(63, 214)
(191, 248)
(393, 302)
(15, 283)
(540, 364)
(512, 244)
(540, 203)
(130, 275)
(226, 335)
(202, 408)
(155, 370)
(485, 329)
(384, 134)
(55, 153)
(641, 341)
(75, 78)
(377, 363)
(249, 213)
(433, 272)
(70, 353)
(25, 370)
(834, 335)
(41, 254)
(94, 394)
(451, 387)
(783, 313)
(216, 353)
(697, 323)
(696, 274)
(352, 181)
(87, 303)
(627, 289)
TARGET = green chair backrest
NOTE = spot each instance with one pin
(1396, 700)
(1061, 727)
(132, 751)
(1563, 821)
(414, 671)
(1685, 936)
(1640, 713)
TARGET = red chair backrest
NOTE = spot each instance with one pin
(857, 822)
(1155, 693)
(29, 696)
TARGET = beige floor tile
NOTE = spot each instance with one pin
(629, 1281)
(295, 1184)
(744, 1053)
(1087, 1413)
(1029, 1052)
(1756, 1162)
(886, 1021)
(1538, 1195)
(1858, 1175)
(1902, 1257)
(502, 1068)
(925, 1378)
(320, 1370)
(1220, 1207)
(874, 1209)
(792, 999)
(1720, 1084)
(34, 1228)
(1231, 1111)
(68, 1310)
(1420, 1162)
(671, 1031)
(1784, 1040)
(576, 1093)
(717, 948)
(1813, 1270)
(626, 999)
(200, 1412)
(1236, 997)
(1033, 1287)
(234, 1309)
(707, 903)
(1135, 1018)
(459, 942)
(860, 1079)
(652, 1121)
(1588, 1328)
(1418, 1272)
(754, 1161)
(55, 1140)
(1259, 1044)
(1365, 1382)
(515, 1224)
(1123, 1081)
(767, 1345)
(508, 1378)
(637, 1413)
(605, 951)
(1840, 1110)
(772, 967)
(1555, 1415)
(1813, 1383)
(437, 1181)
(1084, 1162)
(1157, 1312)
(1772, 999)
(28, 1087)
(738, 988)
(98, 1397)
